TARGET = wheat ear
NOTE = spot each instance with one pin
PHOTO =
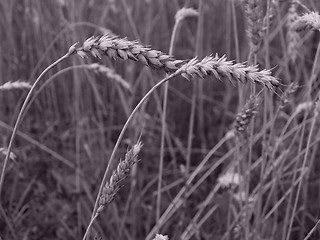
(111, 187)
(15, 85)
(120, 173)
(115, 47)
(223, 69)
(246, 114)
(307, 21)
(255, 23)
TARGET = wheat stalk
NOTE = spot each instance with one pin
(223, 69)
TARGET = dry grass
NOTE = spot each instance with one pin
(228, 159)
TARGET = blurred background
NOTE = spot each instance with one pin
(66, 137)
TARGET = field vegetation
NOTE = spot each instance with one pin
(160, 119)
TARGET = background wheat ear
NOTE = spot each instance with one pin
(307, 21)
(111, 187)
(246, 114)
(15, 85)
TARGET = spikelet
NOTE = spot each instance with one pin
(15, 85)
(307, 21)
(223, 69)
(122, 171)
(293, 37)
(115, 47)
(111, 74)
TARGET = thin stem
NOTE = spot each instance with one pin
(89, 226)
(20, 117)
(164, 125)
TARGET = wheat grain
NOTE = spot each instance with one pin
(121, 172)
(223, 69)
(15, 85)
(307, 21)
(115, 47)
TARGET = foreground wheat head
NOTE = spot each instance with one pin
(115, 47)
(223, 69)
(121, 172)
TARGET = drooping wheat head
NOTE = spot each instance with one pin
(223, 69)
(115, 47)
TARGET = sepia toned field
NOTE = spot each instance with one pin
(160, 119)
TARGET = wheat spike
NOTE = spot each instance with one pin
(115, 47)
(110, 73)
(246, 114)
(307, 21)
(15, 85)
(122, 171)
(223, 69)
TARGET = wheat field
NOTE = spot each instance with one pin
(160, 119)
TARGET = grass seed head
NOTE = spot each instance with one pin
(246, 114)
(223, 69)
(115, 47)
(307, 21)
(111, 187)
